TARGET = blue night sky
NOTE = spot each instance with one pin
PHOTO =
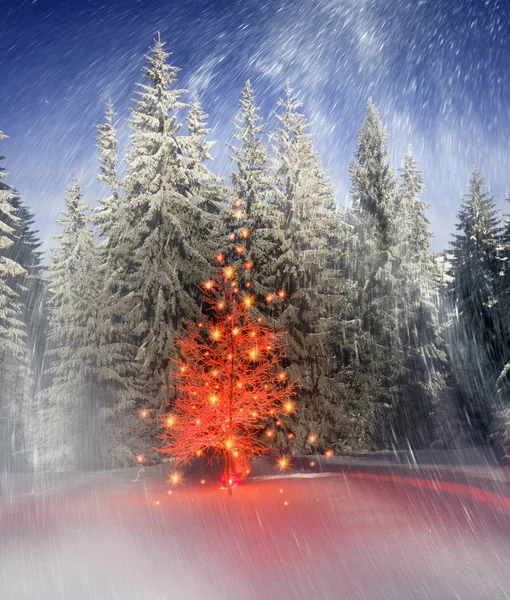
(438, 70)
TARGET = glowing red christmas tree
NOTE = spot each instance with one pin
(228, 379)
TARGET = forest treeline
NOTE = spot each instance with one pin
(391, 347)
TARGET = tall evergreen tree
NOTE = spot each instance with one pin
(307, 270)
(475, 333)
(14, 377)
(162, 237)
(373, 214)
(252, 183)
(413, 418)
(107, 214)
(85, 357)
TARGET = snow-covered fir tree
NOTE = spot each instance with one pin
(413, 418)
(373, 214)
(252, 183)
(107, 213)
(164, 236)
(475, 335)
(31, 290)
(14, 375)
(307, 269)
(85, 359)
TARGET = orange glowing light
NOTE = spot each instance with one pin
(291, 436)
(248, 301)
(248, 265)
(245, 233)
(229, 443)
(238, 214)
(253, 354)
(170, 492)
(144, 413)
(175, 478)
(269, 433)
(213, 399)
(216, 335)
(209, 284)
(140, 458)
(248, 284)
(157, 502)
(312, 463)
(269, 298)
(235, 331)
(240, 249)
(282, 294)
(259, 320)
(283, 463)
(182, 369)
(289, 407)
(220, 305)
(199, 453)
(229, 272)
(286, 503)
(278, 423)
(329, 453)
(202, 481)
(282, 375)
(281, 490)
(170, 421)
(220, 257)
(312, 438)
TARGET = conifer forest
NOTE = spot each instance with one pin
(246, 268)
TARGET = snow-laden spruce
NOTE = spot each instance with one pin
(14, 374)
(475, 335)
(252, 184)
(164, 232)
(307, 267)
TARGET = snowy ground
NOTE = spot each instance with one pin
(379, 530)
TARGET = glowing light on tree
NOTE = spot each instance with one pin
(329, 453)
(228, 378)
(144, 413)
(283, 463)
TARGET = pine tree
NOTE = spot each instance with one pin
(252, 183)
(307, 270)
(31, 290)
(107, 214)
(197, 147)
(85, 358)
(14, 379)
(475, 332)
(164, 235)
(413, 418)
(374, 211)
